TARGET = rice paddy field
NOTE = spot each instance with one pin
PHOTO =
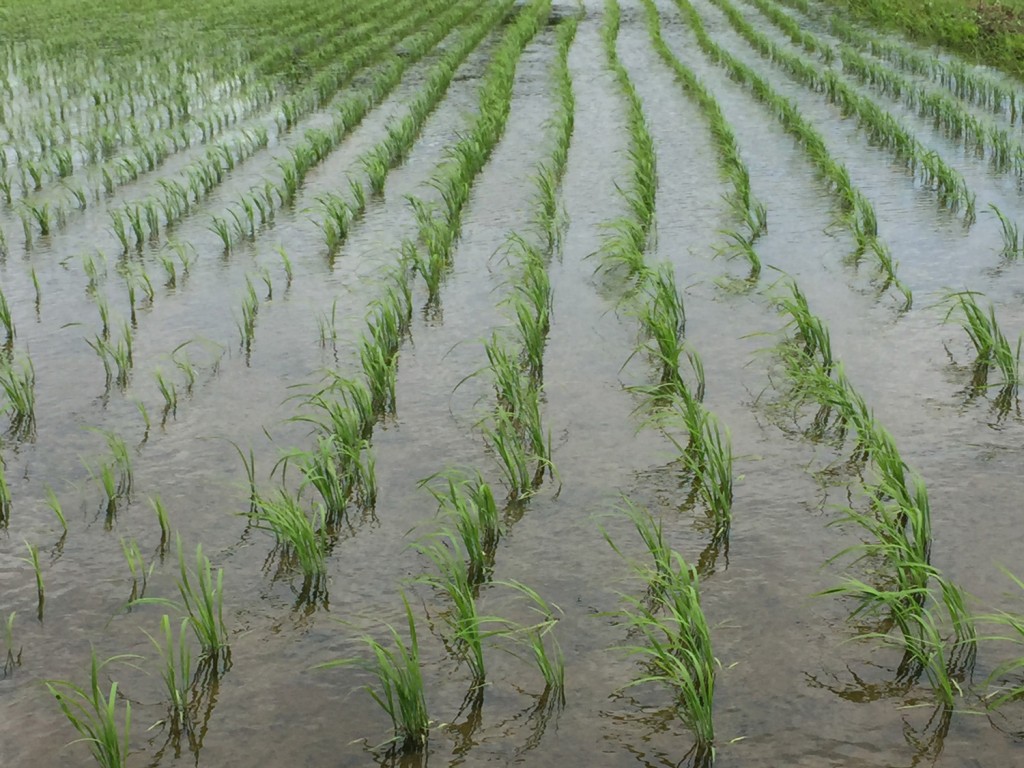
(479, 382)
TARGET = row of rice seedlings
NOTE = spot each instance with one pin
(206, 174)
(749, 211)
(971, 84)
(947, 112)
(857, 213)
(993, 349)
(880, 125)
(147, 150)
(629, 235)
(662, 316)
(439, 225)
(318, 143)
(897, 522)
(154, 150)
(550, 172)
(145, 134)
(676, 642)
(377, 162)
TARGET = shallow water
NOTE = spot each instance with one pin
(793, 689)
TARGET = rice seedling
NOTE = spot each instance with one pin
(176, 671)
(54, 504)
(467, 626)
(663, 319)
(286, 262)
(5, 496)
(1006, 676)
(220, 227)
(162, 520)
(810, 333)
(169, 392)
(247, 322)
(33, 560)
(468, 510)
(94, 715)
(202, 603)
(377, 164)
(1013, 243)
(380, 367)
(401, 692)
(303, 541)
(514, 460)
(676, 649)
(546, 653)
(327, 325)
(713, 475)
(990, 343)
(137, 568)
(11, 659)
(18, 383)
(920, 636)
(6, 320)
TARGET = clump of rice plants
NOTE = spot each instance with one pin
(469, 630)
(541, 642)
(400, 689)
(302, 541)
(990, 343)
(676, 641)
(1006, 676)
(202, 604)
(468, 510)
(176, 671)
(93, 714)
(17, 382)
(1013, 243)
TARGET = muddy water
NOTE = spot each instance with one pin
(792, 691)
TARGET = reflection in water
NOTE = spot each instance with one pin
(192, 724)
(639, 730)
(926, 741)
(464, 733)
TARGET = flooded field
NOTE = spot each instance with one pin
(631, 382)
